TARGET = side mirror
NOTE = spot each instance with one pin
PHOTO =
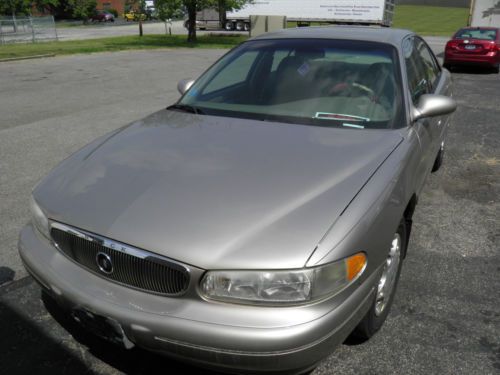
(430, 105)
(184, 85)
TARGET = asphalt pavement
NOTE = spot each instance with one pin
(445, 318)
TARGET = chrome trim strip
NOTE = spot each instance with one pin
(115, 245)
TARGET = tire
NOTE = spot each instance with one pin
(247, 26)
(376, 315)
(240, 26)
(496, 69)
(439, 159)
(229, 26)
(450, 67)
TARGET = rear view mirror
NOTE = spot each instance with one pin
(184, 85)
(430, 105)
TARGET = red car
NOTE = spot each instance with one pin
(474, 46)
(102, 16)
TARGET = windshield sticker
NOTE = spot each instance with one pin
(340, 116)
(303, 69)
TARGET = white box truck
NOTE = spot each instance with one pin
(364, 12)
(485, 13)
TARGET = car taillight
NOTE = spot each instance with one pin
(452, 44)
(492, 46)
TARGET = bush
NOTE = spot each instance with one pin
(82, 9)
(113, 11)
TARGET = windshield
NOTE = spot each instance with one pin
(306, 81)
(482, 34)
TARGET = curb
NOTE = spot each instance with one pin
(27, 57)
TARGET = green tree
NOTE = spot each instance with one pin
(168, 8)
(14, 7)
(81, 9)
(43, 5)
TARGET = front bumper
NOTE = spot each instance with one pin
(217, 335)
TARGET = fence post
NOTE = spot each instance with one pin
(14, 22)
(1, 33)
(55, 28)
(32, 29)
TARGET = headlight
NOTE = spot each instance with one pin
(282, 287)
(39, 219)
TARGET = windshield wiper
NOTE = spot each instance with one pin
(187, 108)
(340, 117)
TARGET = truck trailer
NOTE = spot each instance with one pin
(485, 13)
(353, 12)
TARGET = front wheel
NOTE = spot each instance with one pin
(386, 287)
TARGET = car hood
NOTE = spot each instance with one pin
(216, 192)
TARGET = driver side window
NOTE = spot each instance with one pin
(421, 67)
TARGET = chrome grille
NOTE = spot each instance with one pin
(130, 266)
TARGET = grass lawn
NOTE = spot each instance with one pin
(430, 20)
(119, 43)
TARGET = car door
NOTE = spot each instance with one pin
(425, 77)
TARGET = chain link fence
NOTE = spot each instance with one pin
(27, 30)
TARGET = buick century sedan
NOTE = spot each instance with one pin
(263, 218)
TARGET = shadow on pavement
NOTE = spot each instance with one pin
(135, 361)
(6, 275)
(25, 348)
(33, 343)
(466, 69)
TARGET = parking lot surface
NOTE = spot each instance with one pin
(445, 318)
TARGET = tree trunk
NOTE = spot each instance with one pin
(191, 8)
(221, 8)
(140, 25)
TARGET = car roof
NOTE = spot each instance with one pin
(479, 28)
(364, 33)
